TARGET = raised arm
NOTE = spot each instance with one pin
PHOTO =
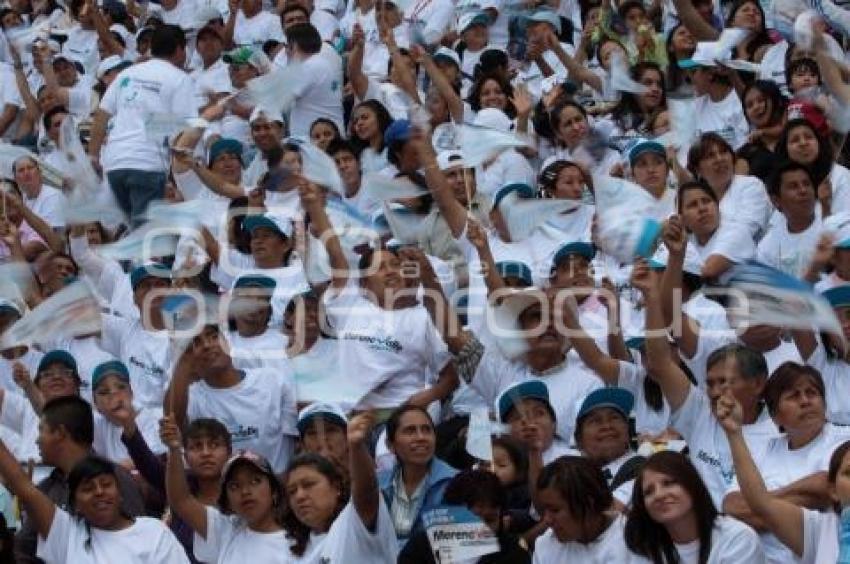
(176, 400)
(452, 211)
(39, 508)
(181, 500)
(444, 87)
(782, 518)
(478, 237)
(676, 241)
(405, 76)
(359, 81)
(660, 364)
(313, 203)
(365, 494)
(110, 44)
(603, 365)
(699, 28)
(53, 240)
(575, 70)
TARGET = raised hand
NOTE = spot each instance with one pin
(21, 376)
(522, 101)
(476, 234)
(728, 412)
(674, 235)
(169, 433)
(643, 278)
(358, 36)
(359, 428)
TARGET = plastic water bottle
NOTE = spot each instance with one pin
(844, 537)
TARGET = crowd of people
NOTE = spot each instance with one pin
(344, 282)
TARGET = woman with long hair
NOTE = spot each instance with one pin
(635, 113)
(492, 90)
(680, 45)
(368, 122)
(673, 519)
(764, 108)
(812, 536)
(744, 14)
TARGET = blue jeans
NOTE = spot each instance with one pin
(135, 189)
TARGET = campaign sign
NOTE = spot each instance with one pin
(457, 535)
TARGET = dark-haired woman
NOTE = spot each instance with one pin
(576, 504)
(673, 519)
(93, 529)
(744, 14)
(418, 479)
(812, 536)
(800, 142)
(635, 113)
(764, 108)
(368, 122)
(310, 519)
(795, 396)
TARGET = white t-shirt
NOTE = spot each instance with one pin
(731, 542)
(731, 240)
(836, 376)
(568, 385)
(147, 540)
(433, 15)
(709, 447)
(609, 548)
(147, 355)
(49, 205)
(647, 420)
(395, 353)
(257, 29)
(19, 427)
(789, 252)
(507, 168)
(214, 79)
(839, 178)
(746, 201)
(182, 14)
(348, 540)
(725, 117)
(81, 46)
(317, 95)
(153, 87)
(259, 412)
(780, 466)
(229, 540)
(820, 537)
(107, 436)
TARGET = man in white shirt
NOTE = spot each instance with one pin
(212, 79)
(319, 92)
(134, 159)
(256, 405)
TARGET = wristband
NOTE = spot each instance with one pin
(198, 123)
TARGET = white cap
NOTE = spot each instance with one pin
(11, 305)
(264, 113)
(446, 53)
(129, 40)
(328, 411)
(546, 16)
(469, 19)
(108, 64)
(494, 119)
(450, 159)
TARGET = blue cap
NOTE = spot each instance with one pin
(329, 412)
(222, 146)
(255, 281)
(581, 248)
(548, 16)
(522, 190)
(515, 269)
(843, 244)
(656, 264)
(110, 367)
(151, 270)
(616, 398)
(56, 356)
(689, 64)
(277, 224)
(635, 342)
(8, 306)
(530, 389)
(399, 130)
(838, 296)
(646, 146)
